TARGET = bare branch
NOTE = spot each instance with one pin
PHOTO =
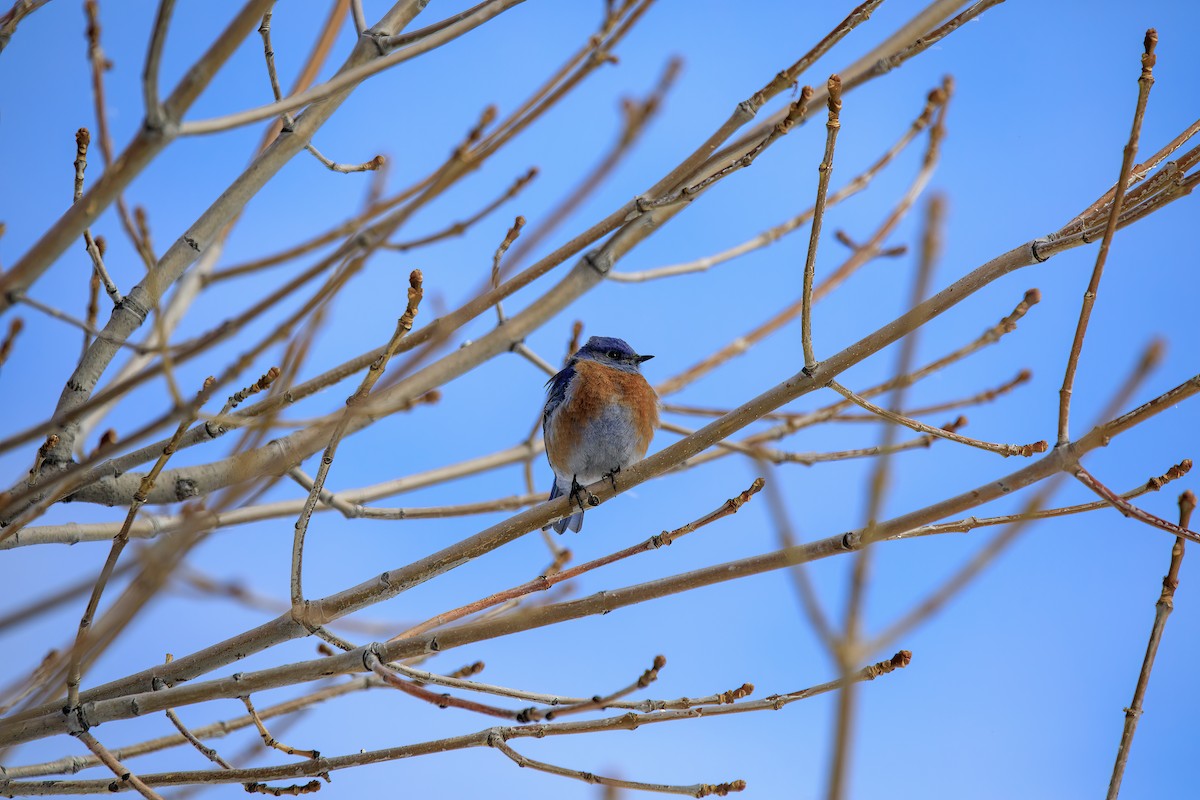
(154, 110)
(403, 326)
(1025, 450)
(1129, 510)
(696, 790)
(347, 79)
(271, 741)
(12, 17)
(1145, 81)
(124, 776)
(627, 721)
(15, 326)
(971, 523)
(1162, 610)
(833, 124)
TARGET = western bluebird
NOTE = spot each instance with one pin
(599, 418)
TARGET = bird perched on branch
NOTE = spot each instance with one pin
(599, 418)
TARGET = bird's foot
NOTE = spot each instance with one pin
(612, 477)
(578, 492)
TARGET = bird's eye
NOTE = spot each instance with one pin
(614, 355)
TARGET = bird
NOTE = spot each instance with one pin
(599, 418)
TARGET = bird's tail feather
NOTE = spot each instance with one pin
(574, 522)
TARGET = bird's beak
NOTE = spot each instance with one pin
(644, 358)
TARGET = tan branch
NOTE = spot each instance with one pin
(1025, 450)
(696, 790)
(627, 721)
(1145, 81)
(124, 776)
(271, 741)
(349, 78)
(1162, 610)
(833, 124)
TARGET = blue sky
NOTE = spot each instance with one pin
(1017, 688)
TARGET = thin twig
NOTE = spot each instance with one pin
(1006, 450)
(1145, 81)
(118, 544)
(1139, 173)
(832, 413)
(15, 326)
(557, 701)
(378, 162)
(460, 227)
(349, 77)
(442, 700)
(509, 238)
(206, 751)
(403, 326)
(124, 776)
(154, 110)
(696, 790)
(971, 523)
(602, 702)
(986, 396)
(529, 355)
(1129, 509)
(348, 510)
(94, 246)
(1162, 610)
(832, 125)
(264, 30)
(63, 316)
(271, 741)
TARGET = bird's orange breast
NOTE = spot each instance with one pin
(592, 391)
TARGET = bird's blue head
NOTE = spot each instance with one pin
(612, 353)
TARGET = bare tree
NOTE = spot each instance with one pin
(211, 394)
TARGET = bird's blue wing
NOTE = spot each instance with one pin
(556, 391)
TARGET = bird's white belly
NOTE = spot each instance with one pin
(610, 442)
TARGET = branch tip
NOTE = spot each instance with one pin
(835, 93)
(1153, 355)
